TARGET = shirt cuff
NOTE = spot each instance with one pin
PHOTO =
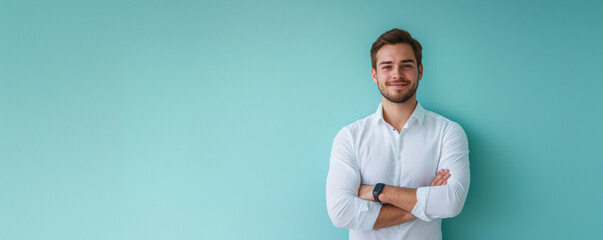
(369, 211)
(419, 209)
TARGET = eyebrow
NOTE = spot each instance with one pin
(390, 62)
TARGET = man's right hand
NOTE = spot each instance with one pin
(441, 178)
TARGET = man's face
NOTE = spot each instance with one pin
(397, 74)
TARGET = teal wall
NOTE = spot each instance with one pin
(215, 119)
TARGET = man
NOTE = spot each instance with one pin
(396, 173)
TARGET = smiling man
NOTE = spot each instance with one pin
(396, 173)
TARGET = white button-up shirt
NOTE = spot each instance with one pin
(371, 151)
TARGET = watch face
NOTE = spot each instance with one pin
(376, 191)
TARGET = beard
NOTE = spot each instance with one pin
(400, 97)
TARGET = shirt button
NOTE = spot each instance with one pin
(399, 157)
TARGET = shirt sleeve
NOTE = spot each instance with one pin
(447, 201)
(345, 208)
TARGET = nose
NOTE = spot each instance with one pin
(396, 74)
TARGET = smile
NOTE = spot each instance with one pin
(398, 85)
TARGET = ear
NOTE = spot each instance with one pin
(420, 72)
(374, 75)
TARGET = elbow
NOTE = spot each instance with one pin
(337, 213)
(452, 201)
(349, 213)
(339, 223)
(452, 211)
(453, 208)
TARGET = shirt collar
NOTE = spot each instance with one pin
(418, 114)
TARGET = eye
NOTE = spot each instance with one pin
(387, 67)
(407, 66)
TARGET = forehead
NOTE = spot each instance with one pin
(395, 52)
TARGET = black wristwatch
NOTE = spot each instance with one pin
(377, 190)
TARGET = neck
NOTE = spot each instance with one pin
(396, 114)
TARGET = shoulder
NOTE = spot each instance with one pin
(359, 126)
(440, 121)
(451, 131)
(346, 139)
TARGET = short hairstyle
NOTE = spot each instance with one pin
(392, 37)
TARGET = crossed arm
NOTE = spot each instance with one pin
(400, 201)
(350, 204)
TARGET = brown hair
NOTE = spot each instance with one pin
(395, 36)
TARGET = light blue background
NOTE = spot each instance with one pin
(215, 119)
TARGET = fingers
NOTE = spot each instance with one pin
(437, 178)
(445, 176)
(441, 177)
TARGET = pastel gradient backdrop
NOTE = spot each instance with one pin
(215, 119)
